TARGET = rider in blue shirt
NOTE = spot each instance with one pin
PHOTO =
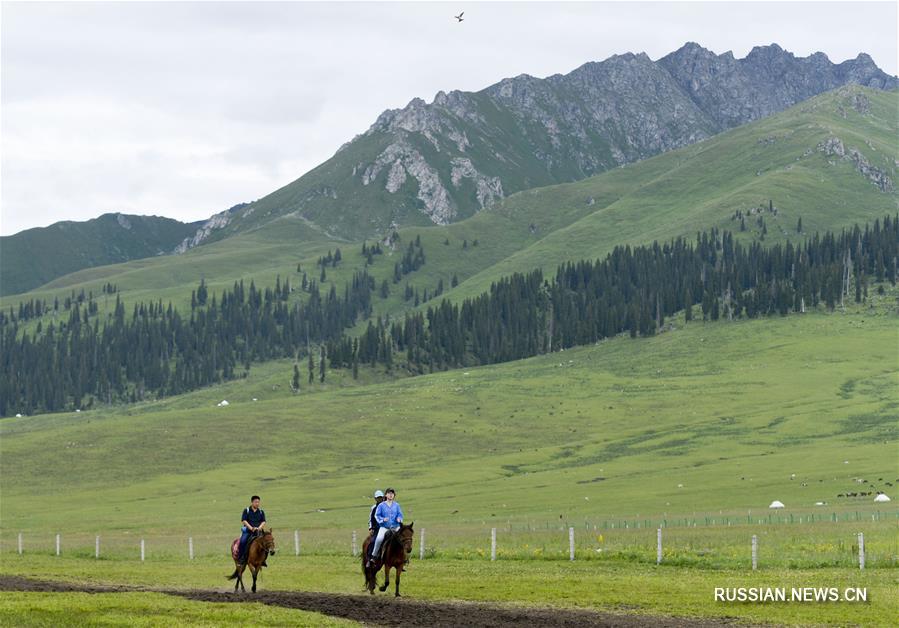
(389, 516)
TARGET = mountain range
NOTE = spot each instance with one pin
(440, 162)
(444, 161)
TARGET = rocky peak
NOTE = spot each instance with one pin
(637, 105)
(691, 50)
(464, 151)
(123, 221)
(863, 71)
(771, 51)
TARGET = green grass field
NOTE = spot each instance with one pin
(145, 609)
(616, 587)
(797, 409)
(696, 430)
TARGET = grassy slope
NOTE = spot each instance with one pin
(259, 255)
(703, 406)
(729, 410)
(700, 186)
(33, 257)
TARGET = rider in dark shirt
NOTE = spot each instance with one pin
(372, 522)
(252, 519)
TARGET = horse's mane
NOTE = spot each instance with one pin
(396, 538)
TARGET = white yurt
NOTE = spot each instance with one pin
(881, 498)
(776, 504)
(223, 402)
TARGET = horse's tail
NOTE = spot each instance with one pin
(235, 574)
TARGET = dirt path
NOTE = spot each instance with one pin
(383, 611)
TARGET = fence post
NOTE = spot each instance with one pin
(755, 552)
(354, 543)
(493, 544)
(861, 550)
(57, 545)
(296, 542)
(97, 547)
(421, 545)
(659, 546)
(571, 543)
(190, 547)
(20, 544)
(141, 550)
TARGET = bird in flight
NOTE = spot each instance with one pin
(459, 17)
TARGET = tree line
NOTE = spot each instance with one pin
(633, 290)
(157, 351)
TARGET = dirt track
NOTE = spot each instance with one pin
(383, 611)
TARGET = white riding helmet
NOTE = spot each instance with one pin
(379, 493)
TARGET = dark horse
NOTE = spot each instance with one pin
(396, 555)
(261, 546)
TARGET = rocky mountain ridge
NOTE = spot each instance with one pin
(443, 161)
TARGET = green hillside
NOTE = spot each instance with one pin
(33, 257)
(778, 159)
(703, 418)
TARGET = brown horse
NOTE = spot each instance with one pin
(396, 555)
(260, 548)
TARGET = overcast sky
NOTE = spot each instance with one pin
(183, 110)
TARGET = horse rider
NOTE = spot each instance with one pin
(372, 523)
(388, 516)
(252, 520)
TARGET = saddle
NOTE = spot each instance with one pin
(383, 551)
(235, 545)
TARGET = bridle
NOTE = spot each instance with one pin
(266, 547)
(401, 540)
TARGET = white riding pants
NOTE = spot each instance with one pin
(382, 532)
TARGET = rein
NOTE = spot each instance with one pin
(397, 540)
(259, 538)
